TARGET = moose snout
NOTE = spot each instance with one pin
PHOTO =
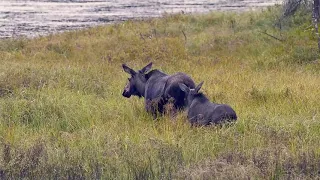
(126, 94)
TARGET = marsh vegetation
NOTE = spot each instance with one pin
(62, 114)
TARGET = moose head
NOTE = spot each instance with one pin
(137, 81)
(190, 93)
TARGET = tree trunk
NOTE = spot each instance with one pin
(316, 19)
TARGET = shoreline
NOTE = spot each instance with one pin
(43, 24)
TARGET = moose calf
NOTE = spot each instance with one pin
(202, 112)
(158, 88)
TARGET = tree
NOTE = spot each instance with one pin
(290, 7)
(315, 17)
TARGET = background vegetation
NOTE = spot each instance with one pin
(62, 114)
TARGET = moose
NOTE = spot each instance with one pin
(202, 112)
(157, 88)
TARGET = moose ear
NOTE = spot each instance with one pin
(128, 70)
(146, 68)
(184, 88)
(199, 87)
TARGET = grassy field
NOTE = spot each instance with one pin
(62, 114)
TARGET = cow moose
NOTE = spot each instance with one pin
(157, 88)
(202, 112)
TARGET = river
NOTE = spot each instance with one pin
(31, 18)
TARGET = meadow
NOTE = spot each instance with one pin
(62, 115)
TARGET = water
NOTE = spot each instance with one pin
(32, 18)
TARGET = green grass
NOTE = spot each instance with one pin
(62, 114)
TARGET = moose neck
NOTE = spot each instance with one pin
(141, 87)
(199, 98)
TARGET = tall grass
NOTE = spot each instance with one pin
(62, 114)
